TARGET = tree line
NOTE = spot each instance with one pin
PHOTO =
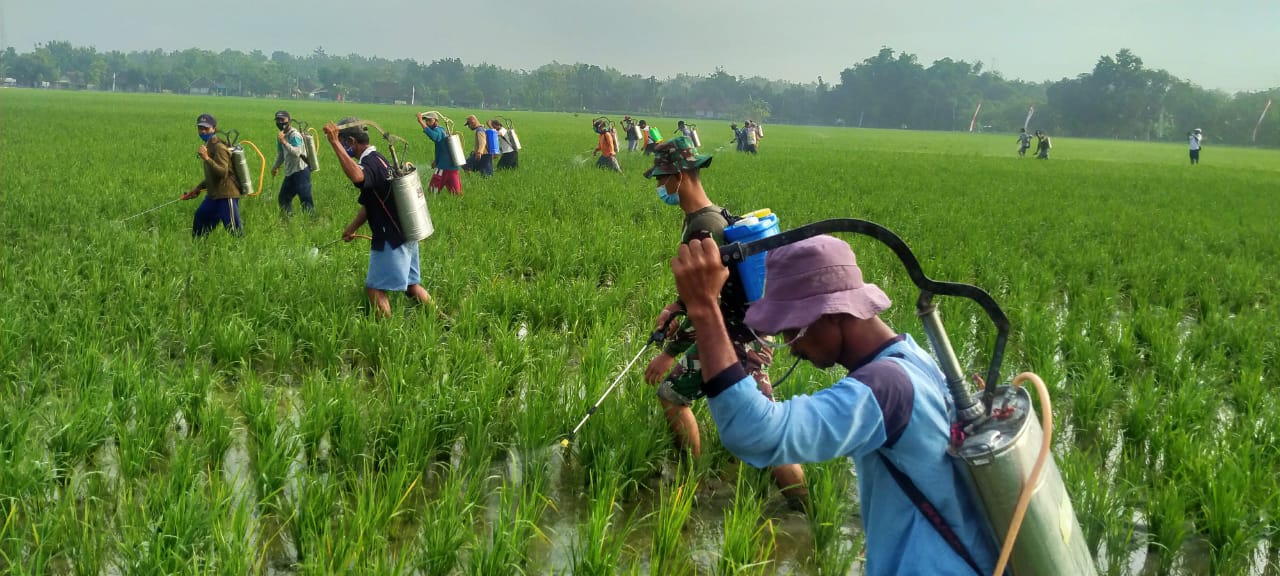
(1119, 98)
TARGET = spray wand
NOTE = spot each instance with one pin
(656, 337)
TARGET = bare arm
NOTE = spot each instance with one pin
(349, 166)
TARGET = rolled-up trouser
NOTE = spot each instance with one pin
(296, 184)
(609, 162)
(212, 212)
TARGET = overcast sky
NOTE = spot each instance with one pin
(1227, 44)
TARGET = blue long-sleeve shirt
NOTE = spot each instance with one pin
(443, 160)
(896, 404)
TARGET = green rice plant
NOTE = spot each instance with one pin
(233, 530)
(259, 408)
(1233, 533)
(668, 553)
(505, 549)
(601, 540)
(831, 507)
(317, 503)
(441, 537)
(1167, 521)
(142, 442)
(273, 461)
(85, 426)
(215, 426)
(748, 541)
(193, 398)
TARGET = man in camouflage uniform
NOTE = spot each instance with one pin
(676, 168)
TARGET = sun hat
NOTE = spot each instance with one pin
(676, 155)
(813, 277)
(432, 115)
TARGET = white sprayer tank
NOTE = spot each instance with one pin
(455, 151)
(411, 206)
(309, 148)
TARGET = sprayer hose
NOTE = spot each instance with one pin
(262, 167)
(1028, 488)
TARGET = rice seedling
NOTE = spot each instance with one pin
(441, 536)
(831, 507)
(669, 553)
(748, 539)
(602, 538)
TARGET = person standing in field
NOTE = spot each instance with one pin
(446, 172)
(749, 137)
(481, 161)
(891, 413)
(1043, 145)
(651, 136)
(393, 261)
(737, 136)
(1194, 137)
(510, 157)
(606, 148)
(633, 133)
(222, 203)
(291, 154)
(1024, 142)
(684, 130)
(676, 168)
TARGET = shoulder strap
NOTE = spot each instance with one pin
(930, 513)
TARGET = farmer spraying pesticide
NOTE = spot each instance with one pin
(393, 255)
(606, 147)
(447, 158)
(222, 203)
(291, 154)
(676, 169)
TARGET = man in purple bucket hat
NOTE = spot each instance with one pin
(890, 414)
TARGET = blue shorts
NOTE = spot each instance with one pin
(393, 270)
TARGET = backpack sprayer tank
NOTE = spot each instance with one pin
(241, 164)
(998, 441)
(411, 203)
(309, 147)
(511, 134)
(693, 135)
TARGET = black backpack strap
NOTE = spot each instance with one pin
(930, 513)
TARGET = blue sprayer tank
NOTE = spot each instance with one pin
(491, 138)
(753, 226)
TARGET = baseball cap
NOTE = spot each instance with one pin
(206, 121)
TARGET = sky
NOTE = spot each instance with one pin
(1232, 45)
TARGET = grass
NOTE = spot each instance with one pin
(133, 359)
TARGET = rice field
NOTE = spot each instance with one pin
(229, 405)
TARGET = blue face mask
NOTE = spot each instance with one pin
(668, 198)
(207, 137)
(350, 151)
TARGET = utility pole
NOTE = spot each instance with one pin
(113, 81)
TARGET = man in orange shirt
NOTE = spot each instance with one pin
(606, 149)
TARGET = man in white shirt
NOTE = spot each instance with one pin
(1194, 137)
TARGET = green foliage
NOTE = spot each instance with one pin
(227, 405)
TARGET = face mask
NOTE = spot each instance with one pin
(350, 151)
(669, 199)
(207, 137)
(282, 126)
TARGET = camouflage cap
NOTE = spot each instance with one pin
(676, 155)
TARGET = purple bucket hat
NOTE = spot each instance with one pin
(808, 279)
